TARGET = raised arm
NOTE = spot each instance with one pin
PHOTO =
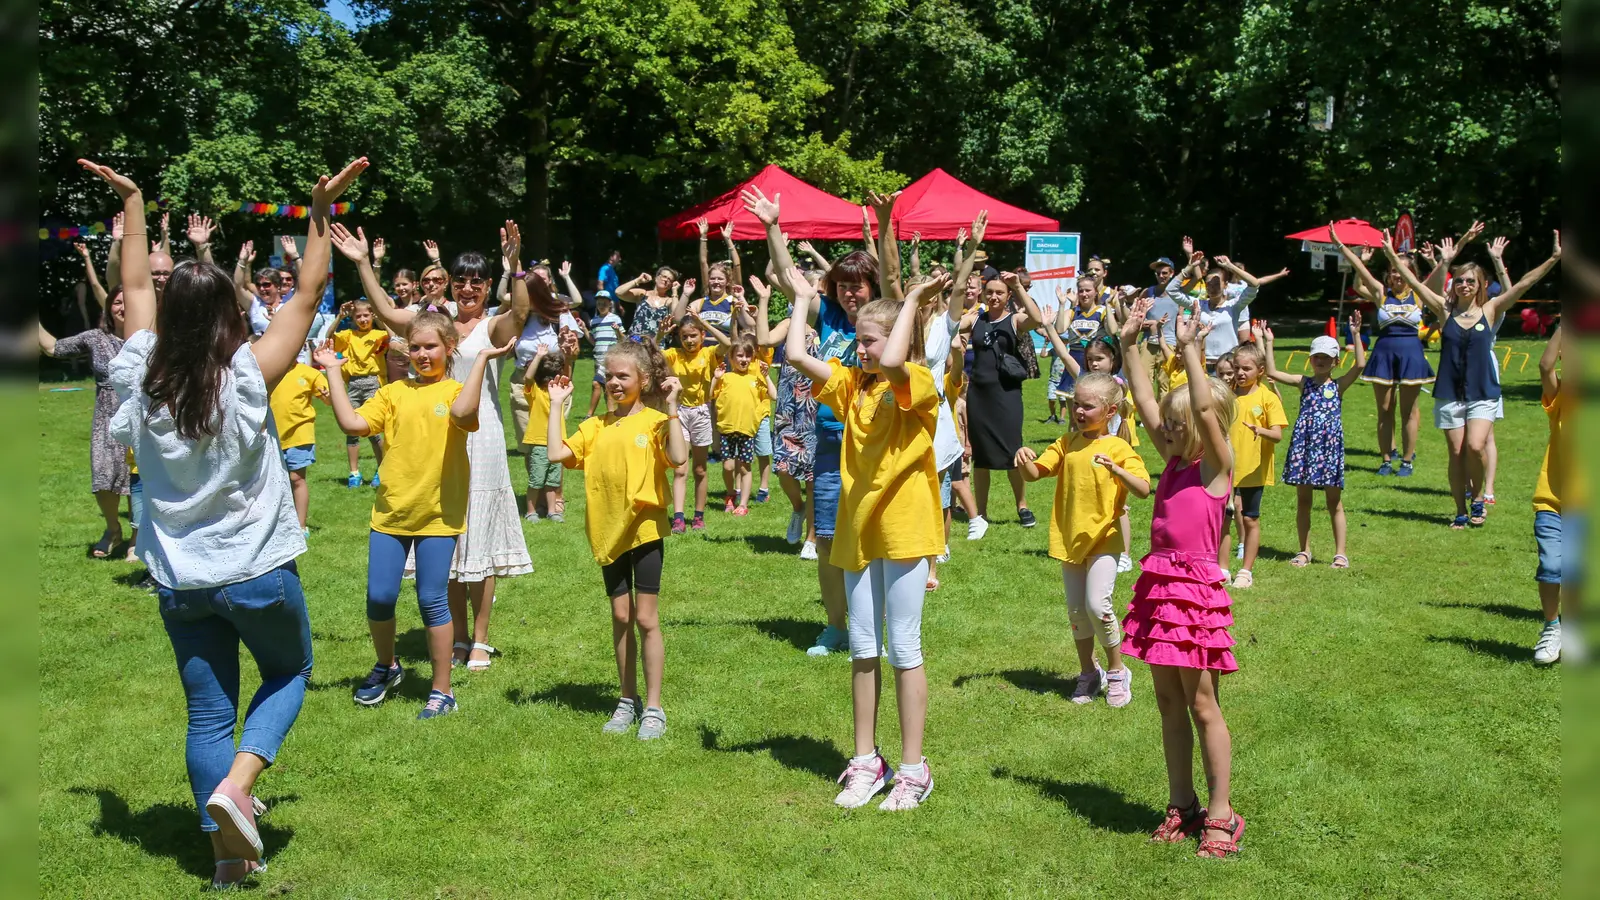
(138, 289)
(767, 335)
(704, 225)
(1202, 405)
(795, 350)
(1434, 301)
(1349, 378)
(765, 210)
(733, 256)
(199, 234)
(508, 325)
(572, 286)
(291, 257)
(350, 422)
(556, 428)
(889, 286)
(114, 257)
(965, 261)
(1264, 337)
(277, 349)
(818, 258)
(1030, 316)
(91, 275)
(464, 411)
(1138, 375)
(243, 293)
(166, 235)
(1367, 285)
(898, 347)
(866, 233)
(916, 261)
(1498, 305)
(1549, 379)
(354, 248)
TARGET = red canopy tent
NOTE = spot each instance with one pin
(805, 212)
(938, 203)
(1354, 232)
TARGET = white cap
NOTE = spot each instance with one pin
(1325, 346)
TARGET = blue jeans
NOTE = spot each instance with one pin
(826, 483)
(267, 613)
(386, 563)
(1547, 532)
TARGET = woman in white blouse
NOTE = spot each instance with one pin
(219, 530)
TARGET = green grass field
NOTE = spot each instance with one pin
(1391, 736)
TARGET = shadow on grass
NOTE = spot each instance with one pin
(1507, 652)
(1272, 553)
(1415, 489)
(1034, 680)
(758, 543)
(1353, 451)
(1442, 519)
(584, 698)
(171, 830)
(133, 577)
(1520, 613)
(797, 752)
(1103, 807)
(798, 633)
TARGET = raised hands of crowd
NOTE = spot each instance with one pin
(432, 249)
(379, 250)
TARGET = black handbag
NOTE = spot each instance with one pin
(1011, 369)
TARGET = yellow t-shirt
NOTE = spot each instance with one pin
(764, 355)
(889, 501)
(538, 433)
(291, 405)
(363, 351)
(742, 401)
(1083, 518)
(624, 463)
(133, 466)
(425, 474)
(1176, 373)
(694, 371)
(1254, 456)
(1552, 471)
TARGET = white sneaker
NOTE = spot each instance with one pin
(909, 792)
(1119, 687)
(809, 550)
(1090, 685)
(1124, 563)
(797, 528)
(977, 528)
(1239, 553)
(1548, 649)
(861, 782)
(943, 557)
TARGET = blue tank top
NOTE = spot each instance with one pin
(717, 312)
(1399, 316)
(1466, 363)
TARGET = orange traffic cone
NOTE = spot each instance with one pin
(1333, 326)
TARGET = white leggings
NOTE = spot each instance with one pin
(1089, 588)
(892, 589)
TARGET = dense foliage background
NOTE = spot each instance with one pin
(588, 120)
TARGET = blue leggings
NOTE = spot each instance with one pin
(386, 563)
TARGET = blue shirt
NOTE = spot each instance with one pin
(838, 341)
(608, 279)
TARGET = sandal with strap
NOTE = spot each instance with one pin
(1340, 561)
(1222, 848)
(1479, 514)
(1301, 560)
(1180, 824)
(932, 585)
(478, 665)
(103, 549)
(462, 647)
(1459, 523)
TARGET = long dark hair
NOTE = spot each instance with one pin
(198, 331)
(543, 299)
(857, 265)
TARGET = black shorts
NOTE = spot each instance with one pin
(741, 447)
(637, 571)
(1250, 501)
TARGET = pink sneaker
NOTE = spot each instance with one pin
(862, 781)
(908, 792)
(235, 814)
(1119, 687)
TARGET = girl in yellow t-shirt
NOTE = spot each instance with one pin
(888, 527)
(422, 503)
(693, 362)
(362, 350)
(742, 401)
(296, 421)
(625, 456)
(1257, 428)
(1095, 471)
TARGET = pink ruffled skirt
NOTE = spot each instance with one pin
(1180, 613)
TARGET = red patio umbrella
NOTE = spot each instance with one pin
(1354, 232)
(805, 212)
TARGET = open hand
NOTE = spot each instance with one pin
(757, 204)
(560, 389)
(493, 352)
(330, 189)
(82, 248)
(704, 225)
(247, 252)
(120, 183)
(510, 242)
(379, 249)
(200, 229)
(286, 243)
(672, 387)
(1186, 329)
(352, 246)
(566, 268)
(432, 249)
(727, 232)
(688, 287)
(1188, 245)
(116, 227)
(1472, 233)
(1135, 322)
(1025, 455)
(980, 225)
(1497, 247)
(324, 357)
(1355, 321)
(763, 292)
(1555, 251)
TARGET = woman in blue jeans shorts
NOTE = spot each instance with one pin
(218, 524)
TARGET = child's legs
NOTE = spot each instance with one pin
(647, 563)
(1410, 418)
(1229, 513)
(864, 592)
(377, 447)
(554, 501)
(1076, 579)
(1550, 538)
(1089, 608)
(534, 482)
(596, 388)
(680, 480)
(1491, 461)
(352, 449)
(1480, 434)
(1456, 443)
(386, 562)
(730, 477)
(110, 503)
(434, 554)
(793, 490)
(825, 490)
(1249, 512)
(301, 493)
(905, 584)
(622, 637)
(1216, 745)
(1383, 395)
(963, 492)
(1335, 499)
(697, 458)
(1177, 734)
(1125, 527)
(810, 514)
(1018, 487)
(1302, 515)
(742, 469)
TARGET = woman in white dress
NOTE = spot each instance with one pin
(493, 545)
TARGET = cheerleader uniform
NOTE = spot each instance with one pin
(1081, 329)
(1397, 357)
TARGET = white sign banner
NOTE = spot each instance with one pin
(1052, 261)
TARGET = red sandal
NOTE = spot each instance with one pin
(1180, 824)
(1222, 849)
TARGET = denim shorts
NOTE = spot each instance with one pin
(1547, 532)
(764, 437)
(1451, 414)
(135, 500)
(826, 484)
(297, 458)
(945, 479)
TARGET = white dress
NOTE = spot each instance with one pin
(493, 544)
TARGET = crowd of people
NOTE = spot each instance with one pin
(884, 401)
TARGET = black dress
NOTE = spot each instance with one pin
(994, 407)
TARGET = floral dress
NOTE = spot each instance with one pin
(1316, 450)
(648, 319)
(108, 460)
(796, 446)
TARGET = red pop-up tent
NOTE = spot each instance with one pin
(938, 203)
(1354, 232)
(805, 212)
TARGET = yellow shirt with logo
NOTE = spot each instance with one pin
(889, 500)
(742, 401)
(1548, 489)
(363, 351)
(1088, 500)
(1254, 456)
(624, 463)
(538, 433)
(694, 371)
(425, 476)
(291, 405)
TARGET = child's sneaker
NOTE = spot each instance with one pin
(1119, 687)
(977, 528)
(653, 723)
(378, 684)
(1387, 468)
(741, 510)
(808, 550)
(797, 528)
(677, 524)
(622, 719)
(1244, 579)
(1124, 563)
(1090, 685)
(1548, 650)
(1026, 518)
(1406, 468)
(375, 479)
(699, 523)
(943, 557)
(828, 641)
(862, 780)
(530, 517)
(557, 518)
(909, 790)
(439, 704)
(763, 496)
(354, 480)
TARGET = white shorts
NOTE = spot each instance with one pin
(1452, 414)
(696, 424)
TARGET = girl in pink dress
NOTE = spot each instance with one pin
(1178, 620)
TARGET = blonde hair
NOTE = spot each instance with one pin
(883, 314)
(1252, 351)
(1175, 407)
(1482, 295)
(1102, 388)
(437, 321)
(648, 361)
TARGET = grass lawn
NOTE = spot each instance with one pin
(1391, 736)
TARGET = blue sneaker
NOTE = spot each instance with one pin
(375, 689)
(439, 704)
(762, 496)
(374, 479)
(1387, 468)
(354, 481)
(1405, 468)
(830, 640)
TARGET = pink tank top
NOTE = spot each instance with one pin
(1185, 518)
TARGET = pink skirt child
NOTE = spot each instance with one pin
(1180, 612)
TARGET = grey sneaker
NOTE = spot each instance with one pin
(1090, 685)
(530, 517)
(653, 723)
(557, 518)
(1548, 649)
(626, 714)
